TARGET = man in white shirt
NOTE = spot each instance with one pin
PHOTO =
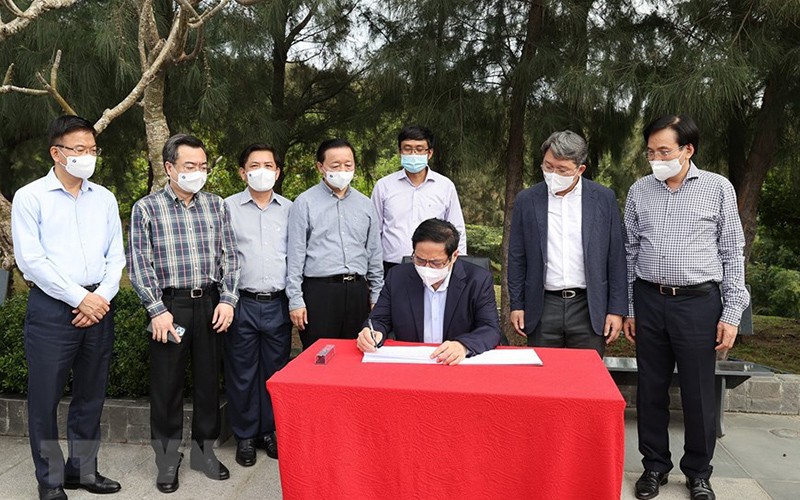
(567, 278)
(414, 194)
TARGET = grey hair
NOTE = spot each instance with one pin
(567, 145)
(170, 151)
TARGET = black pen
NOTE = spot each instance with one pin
(372, 333)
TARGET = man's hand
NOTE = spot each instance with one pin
(94, 306)
(299, 318)
(612, 328)
(81, 320)
(629, 327)
(726, 336)
(162, 326)
(451, 352)
(223, 317)
(365, 343)
(518, 322)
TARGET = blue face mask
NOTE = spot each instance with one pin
(414, 163)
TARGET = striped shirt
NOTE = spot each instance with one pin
(685, 237)
(177, 246)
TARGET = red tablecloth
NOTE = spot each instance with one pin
(356, 430)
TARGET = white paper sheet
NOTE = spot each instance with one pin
(422, 355)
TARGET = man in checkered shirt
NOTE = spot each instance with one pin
(684, 248)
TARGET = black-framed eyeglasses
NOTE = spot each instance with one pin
(662, 153)
(82, 150)
(434, 263)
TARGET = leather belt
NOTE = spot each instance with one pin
(569, 293)
(190, 293)
(262, 296)
(337, 278)
(672, 291)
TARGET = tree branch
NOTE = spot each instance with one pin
(24, 18)
(197, 20)
(50, 88)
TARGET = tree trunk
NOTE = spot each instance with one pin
(156, 128)
(515, 152)
(280, 54)
(6, 245)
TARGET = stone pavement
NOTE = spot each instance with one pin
(759, 458)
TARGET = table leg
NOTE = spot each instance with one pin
(720, 396)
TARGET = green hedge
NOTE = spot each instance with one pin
(485, 241)
(776, 290)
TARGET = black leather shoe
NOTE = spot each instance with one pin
(246, 452)
(269, 443)
(167, 479)
(209, 464)
(647, 485)
(56, 493)
(93, 483)
(700, 489)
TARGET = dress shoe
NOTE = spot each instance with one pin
(647, 485)
(167, 479)
(56, 493)
(93, 483)
(700, 488)
(208, 463)
(269, 443)
(246, 452)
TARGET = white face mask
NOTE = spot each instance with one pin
(557, 183)
(261, 179)
(431, 276)
(192, 182)
(340, 179)
(81, 167)
(664, 169)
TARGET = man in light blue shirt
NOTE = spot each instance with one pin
(258, 343)
(68, 242)
(335, 271)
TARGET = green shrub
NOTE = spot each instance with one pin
(485, 241)
(13, 367)
(775, 290)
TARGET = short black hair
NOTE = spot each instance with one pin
(65, 124)
(683, 125)
(415, 133)
(332, 144)
(259, 146)
(437, 231)
(170, 151)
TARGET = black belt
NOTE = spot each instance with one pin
(569, 293)
(696, 290)
(262, 296)
(90, 288)
(191, 293)
(337, 278)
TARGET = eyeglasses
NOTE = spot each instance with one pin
(194, 167)
(661, 153)
(254, 166)
(82, 150)
(560, 171)
(410, 150)
(434, 263)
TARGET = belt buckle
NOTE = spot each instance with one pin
(349, 277)
(568, 294)
(672, 290)
(264, 296)
(196, 293)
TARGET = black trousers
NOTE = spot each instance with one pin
(53, 347)
(256, 346)
(566, 323)
(682, 330)
(168, 363)
(388, 265)
(335, 310)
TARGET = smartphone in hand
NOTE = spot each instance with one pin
(178, 329)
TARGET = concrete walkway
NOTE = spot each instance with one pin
(759, 458)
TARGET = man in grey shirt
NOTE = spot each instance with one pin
(260, 338)
(335, 262)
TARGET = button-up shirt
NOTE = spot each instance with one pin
(565, 241)
(173, 245)
(401, 207)
(688, 236)
(435, 301)
(328, 236)
(63, 243)
(261, 238)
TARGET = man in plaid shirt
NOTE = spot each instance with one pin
(686, 272)
(183, 264)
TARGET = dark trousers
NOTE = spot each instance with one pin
(167, 368)
(672, 330)
(335, 310)
(256, 346)
(566, 323)
(53, 347)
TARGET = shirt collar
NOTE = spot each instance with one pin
(328, 189)
(429, 176)
(247, 197)
(52, 182)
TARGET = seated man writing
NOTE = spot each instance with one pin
(436, 299)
